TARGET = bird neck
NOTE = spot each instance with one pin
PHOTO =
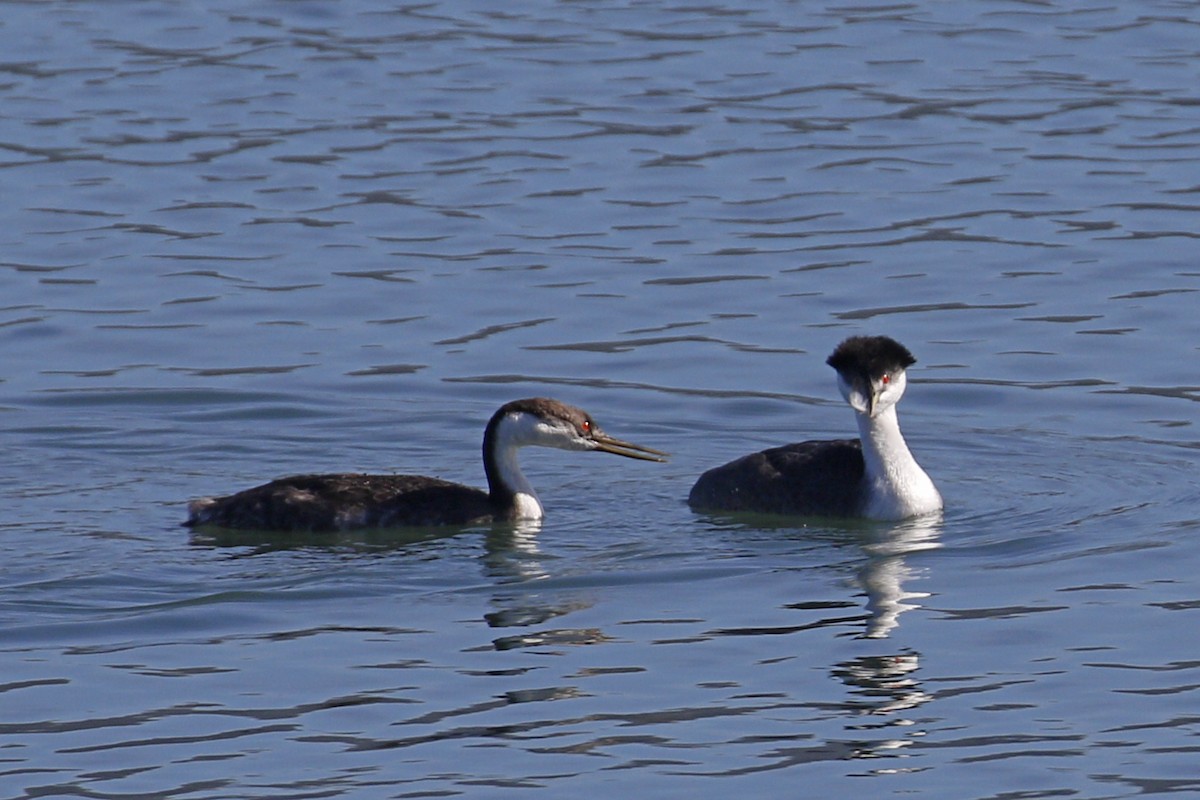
(896, 486)
(508, 488)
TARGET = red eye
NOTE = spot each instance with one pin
(886, 378)
(587, 426)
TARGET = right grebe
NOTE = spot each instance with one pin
(875, 477)
(346, 501)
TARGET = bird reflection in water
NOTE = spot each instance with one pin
(884, 686)
(885, 573)
(515, 562)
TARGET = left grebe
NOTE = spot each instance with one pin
(347, 501)
(874, 476)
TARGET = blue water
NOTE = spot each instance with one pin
(244, 240)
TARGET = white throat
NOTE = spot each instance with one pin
(896, 486)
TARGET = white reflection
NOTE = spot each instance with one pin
(885, 685)
(513, 552)
(884, 575)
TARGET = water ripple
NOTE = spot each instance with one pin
(289, 237)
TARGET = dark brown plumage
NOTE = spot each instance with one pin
(805, 479)
(345, 501)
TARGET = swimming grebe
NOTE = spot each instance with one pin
(874, 477)
(348, 501)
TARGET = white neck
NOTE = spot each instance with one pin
(516, 432)
(896, 486)
(525, 500)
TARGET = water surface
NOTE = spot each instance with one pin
(244, 240)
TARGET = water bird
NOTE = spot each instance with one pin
(348, 501)
(874, 476)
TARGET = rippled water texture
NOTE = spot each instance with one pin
(239, 240)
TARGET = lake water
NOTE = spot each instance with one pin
(240, 240)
